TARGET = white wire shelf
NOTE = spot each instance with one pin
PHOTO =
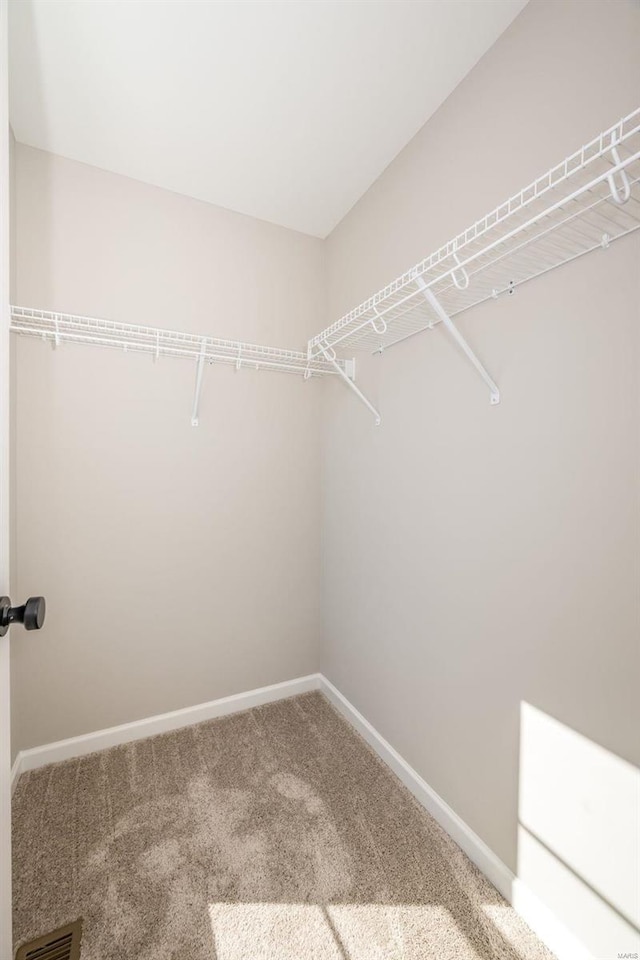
(584, 203)
(67, 328)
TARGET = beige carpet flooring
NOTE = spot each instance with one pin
(274, 834)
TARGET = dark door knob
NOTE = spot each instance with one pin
(31, 614)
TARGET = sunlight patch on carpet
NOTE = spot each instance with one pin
(264, 931)
(297, 931)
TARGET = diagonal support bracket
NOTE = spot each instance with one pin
(442, 314)
(198, 388)
(331, 357)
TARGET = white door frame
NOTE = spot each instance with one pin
(6, 950)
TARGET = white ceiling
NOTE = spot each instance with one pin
(286, 110)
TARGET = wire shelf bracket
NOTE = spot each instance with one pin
(442, 314)
(195, 421)
(330, 357)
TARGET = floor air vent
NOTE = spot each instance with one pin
(62, 944)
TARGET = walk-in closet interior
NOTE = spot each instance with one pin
(319, 479)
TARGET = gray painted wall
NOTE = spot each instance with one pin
(477, 557)
(179, 564)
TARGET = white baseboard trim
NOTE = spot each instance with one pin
(16, 770)
(475, 848)
(535, 913)
(161, 723)
(557, 937)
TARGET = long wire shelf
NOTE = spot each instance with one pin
(584, 203)
(68, 328)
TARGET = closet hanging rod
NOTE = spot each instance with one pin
(580, 205)
(68, 328)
